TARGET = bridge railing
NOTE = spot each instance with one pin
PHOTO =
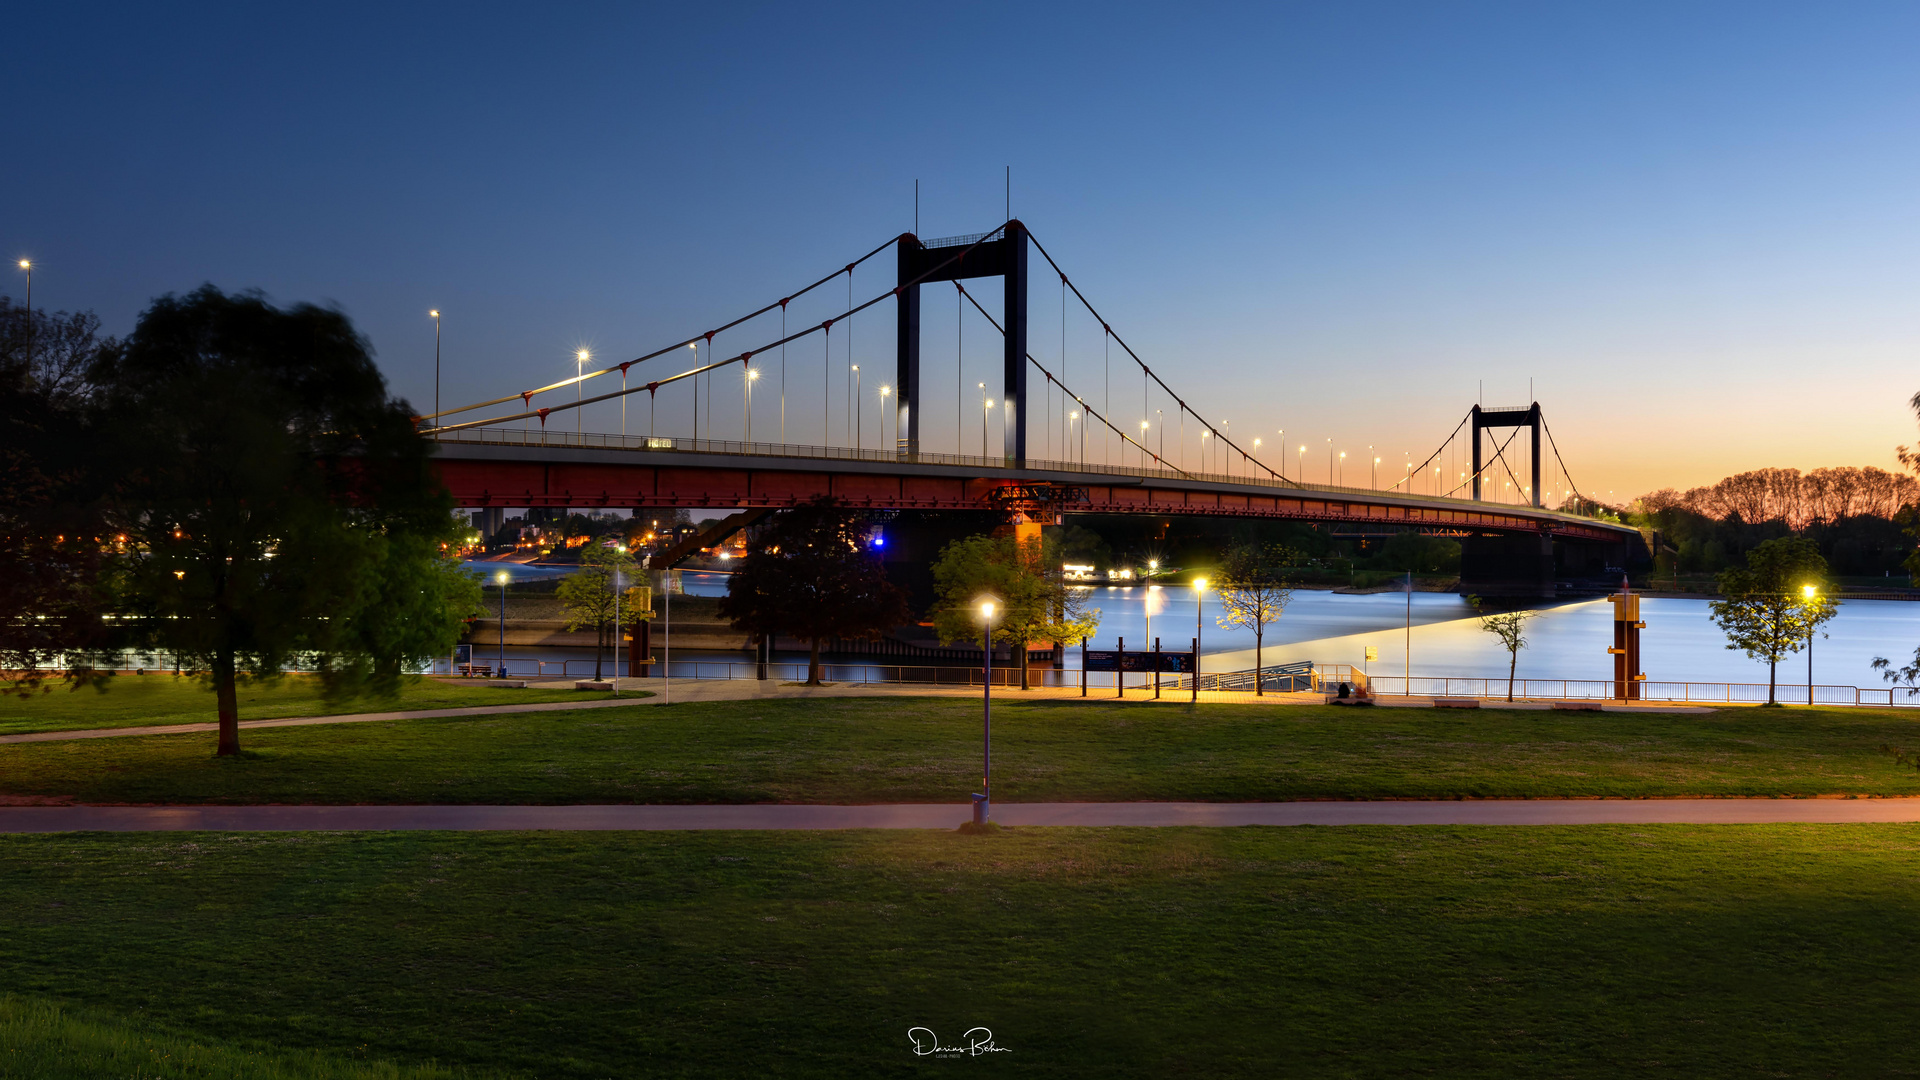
(504, 436)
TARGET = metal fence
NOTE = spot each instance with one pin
(1296, 678)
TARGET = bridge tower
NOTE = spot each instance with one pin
(1000, 254)
(1528, 417)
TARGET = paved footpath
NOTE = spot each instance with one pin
(41, 819)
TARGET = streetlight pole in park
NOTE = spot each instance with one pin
(1811, 592)
(983, 802)
(27, 265)
(618, 627)
(502, 577)
(436, 370)
(1199, 606)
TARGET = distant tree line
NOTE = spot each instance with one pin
(1793, 498)
(1857, 518)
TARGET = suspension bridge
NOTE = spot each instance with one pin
(1046, 447)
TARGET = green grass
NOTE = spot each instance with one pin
(1596, 951)
(41, 1041)
(927, 750)
(141, 700)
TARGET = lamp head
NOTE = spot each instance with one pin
(503, 577)
(1153, 564)
(435, 313)
(26, 264)
(581, 356)
(986, 610)
(1810, 590)
(1199, 585)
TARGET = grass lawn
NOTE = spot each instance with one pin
(1594, 951)
(140, 700)
(927, 750)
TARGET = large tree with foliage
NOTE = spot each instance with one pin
(1254, 592)
(811, 572)
(277, 503)
(1767, 611)
(589, 596)
(1030, 604)
(53, 541)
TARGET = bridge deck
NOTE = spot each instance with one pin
(503, 467)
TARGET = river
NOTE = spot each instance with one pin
(1564, 641)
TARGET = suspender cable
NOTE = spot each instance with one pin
(660, 352)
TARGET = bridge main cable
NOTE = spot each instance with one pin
(708, 336)
(653, 387)
(1084, 302)
(1091, 411)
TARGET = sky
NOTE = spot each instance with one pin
(1690, 228)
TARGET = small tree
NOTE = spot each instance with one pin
(1253, 593)
(812, 573)
(1510, 627)
(588, 596)
(1767, 611)
(1031, 604)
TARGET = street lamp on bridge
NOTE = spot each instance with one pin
(885, 392)
(752, 376)
(436, 369)
(579, 386)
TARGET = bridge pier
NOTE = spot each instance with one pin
(1513, 566)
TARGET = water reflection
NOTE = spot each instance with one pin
(1565, 641)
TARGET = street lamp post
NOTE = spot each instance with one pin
(502, 577)
(885, 392)
(1199, 605)
(982, 803)
(27, 265)
(436, 371)
(752, 374)
(618, 628)
(859, 441)
(1810, 592)
(986, 410)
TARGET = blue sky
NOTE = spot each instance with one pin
(1692, 225)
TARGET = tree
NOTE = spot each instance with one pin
(1510, 627)
(811, 572)
(588, 595)
(1253, 593)
(1030, 604)
(414, 600)
(276, 502)
(1767, 611)
(53, 541)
